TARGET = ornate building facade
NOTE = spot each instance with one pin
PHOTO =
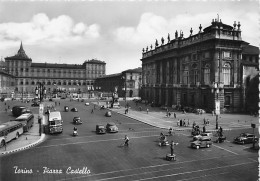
(128, 83)
(54, 77)
(197, 71)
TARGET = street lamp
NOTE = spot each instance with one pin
(124, 79)
(40, 90)
(215, 89)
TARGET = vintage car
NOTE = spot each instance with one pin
(74, 109)
(100, 129)
(66, 108)
(35, 104)
(111, 127)
(201, 142)
(77, 120)
(245, 138)
(108, 114)
(202, 135)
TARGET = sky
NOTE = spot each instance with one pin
(72, 32)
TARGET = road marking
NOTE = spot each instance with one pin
(94, 141)
(224, 149)
(89, 136)
(152, 166)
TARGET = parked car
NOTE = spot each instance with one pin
(77, 120)
(100, 129)
(111, 127)
(244, 138)
(74, 109)
(202, 135)
(35, 104)
(201, 142)
(87, 104)
(66, 108)
(108, 114)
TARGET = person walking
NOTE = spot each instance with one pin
(204, 129)
(147, 110)
(92, 111)
(126, 140)
(174, 115)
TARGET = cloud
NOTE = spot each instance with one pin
(152, 26)
(42, 29)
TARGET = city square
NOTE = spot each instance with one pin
(102, 157)
(129, 90)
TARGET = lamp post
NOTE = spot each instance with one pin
(40, 90)
(215, 89)
(124, 79)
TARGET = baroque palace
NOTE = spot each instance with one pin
(24, 75)
(206, 70)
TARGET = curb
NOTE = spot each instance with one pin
(25, 147)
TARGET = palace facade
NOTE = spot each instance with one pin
(128, 83)
(201, 70)
(55, 77)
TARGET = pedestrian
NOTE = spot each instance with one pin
(92, 111)
(140, 108)
(59, 103)
(193, 125)
(147, 110)
(174, 115)
(126, 140)
(204, 121)
(172, 147)
(170, 114)
(204, 129)
(207, 121)
(188, 122)
(181, 122)
(125, 111)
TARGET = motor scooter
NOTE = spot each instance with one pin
(75, 133)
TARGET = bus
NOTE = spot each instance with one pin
(9, 131)
(55, 122)
(27, 119)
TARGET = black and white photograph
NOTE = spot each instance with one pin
(129, 90)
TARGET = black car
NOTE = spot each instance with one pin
(100, 129)
(245, 138)
(74, 109)
(35, 104)
(77, 120)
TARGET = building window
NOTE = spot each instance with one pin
(206, 75)
(21, 83)
(185, 77)
(227, 101)
(64, 83)
(194, 74)
(227, 74)
(33, 82)
(227, 54)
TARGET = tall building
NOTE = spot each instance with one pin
(54, 77)
(204, 70)
(128, 83)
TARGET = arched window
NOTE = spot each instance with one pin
(33, 83)
(64, 83)
(227, 73)
(59, 83)
(206, 73)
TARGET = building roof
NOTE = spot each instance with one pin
(136, 70)
(20, 54)
(94, 61)
(52, 65)
(250, 49)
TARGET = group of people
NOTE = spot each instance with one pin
(183, 122)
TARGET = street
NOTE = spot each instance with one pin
(102, 157)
